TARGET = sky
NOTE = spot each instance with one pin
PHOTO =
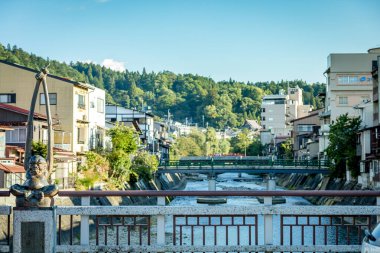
(246, 40)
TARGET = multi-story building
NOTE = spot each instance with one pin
(96, 119)
(305, 133)
(277, 111)
(370, 134)
(69, 103)
(349, 83)
(143, 122)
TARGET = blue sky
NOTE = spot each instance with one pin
(245, 40)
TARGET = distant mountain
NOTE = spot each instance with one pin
(196, 98)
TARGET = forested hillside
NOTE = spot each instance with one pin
(220, 104)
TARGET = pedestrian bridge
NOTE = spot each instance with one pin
(247, 165)
(201, 228)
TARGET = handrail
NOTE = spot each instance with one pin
(152, 193)
(246, 162)
(287, 193)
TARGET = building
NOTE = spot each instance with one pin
(143, 122)
(162, 142)
(69, 102)
(96, 119)
(369, 147)
(305, 136)
(11, 172)
(15, 119)
(349, 83)
(277, 112)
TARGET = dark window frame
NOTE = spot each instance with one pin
(11, 97)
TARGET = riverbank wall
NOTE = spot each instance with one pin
(321, 182)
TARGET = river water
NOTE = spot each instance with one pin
(226, 181)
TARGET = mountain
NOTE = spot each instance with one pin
(190, 97)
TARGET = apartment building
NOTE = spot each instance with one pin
(277, 112)
(349, 83)
(70, 101)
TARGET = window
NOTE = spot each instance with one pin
(263, 118)
(52, 99)
(350, 79)
(343, 100)
(18, 135)
(81, 102)
(7, 98)
(262, 109)
(81, 134)
(305, 128)
(100, 105)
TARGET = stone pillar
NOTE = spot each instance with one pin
(34, 230)
(161, 223)
(211, 184)
(268, 219)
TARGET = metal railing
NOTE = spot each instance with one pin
(245, 162)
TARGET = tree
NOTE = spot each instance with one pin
(93, 170)
(145, 165)
(255, 148)
(285, 150)
(342, 147)
(38, 148)
(124, 144)
(123, 138)
(241, 142)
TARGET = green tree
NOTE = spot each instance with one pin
(93, 170)
(145, 165)
(241, 142)
(342, 145)
(124, 144)
(123, 138)
(38, 148)
(255, 148)
(286, 149)
(224, 146)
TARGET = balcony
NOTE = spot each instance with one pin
(325, 128)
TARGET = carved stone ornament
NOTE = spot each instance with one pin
(35, 192)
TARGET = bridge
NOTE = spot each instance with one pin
(196, 228)
(247, 165)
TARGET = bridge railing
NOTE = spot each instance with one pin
(244, 162)
(204, 228)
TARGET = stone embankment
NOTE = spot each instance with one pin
(320, 182)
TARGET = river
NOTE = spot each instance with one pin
(250, 182)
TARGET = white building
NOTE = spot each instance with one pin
(349, 83)
(278, 110)
(96, 118)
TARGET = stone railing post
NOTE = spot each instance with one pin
(378, 203)
(161, 223)
(85, 224)
(268, 218)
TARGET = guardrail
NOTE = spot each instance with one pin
(245, 162)
(203, 228)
